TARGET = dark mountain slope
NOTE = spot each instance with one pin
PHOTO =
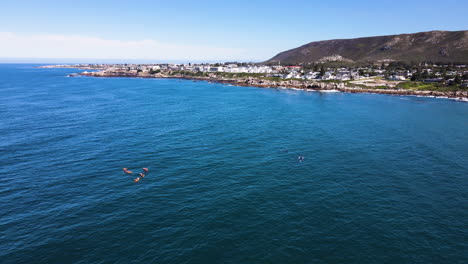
(436, 46)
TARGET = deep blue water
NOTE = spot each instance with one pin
(384, 180)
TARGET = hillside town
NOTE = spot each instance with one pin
(443, 74)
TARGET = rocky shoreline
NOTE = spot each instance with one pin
(288, 84)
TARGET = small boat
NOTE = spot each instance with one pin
(142, 175)
(145, 169)
(136, 179)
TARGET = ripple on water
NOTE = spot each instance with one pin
(383, 180)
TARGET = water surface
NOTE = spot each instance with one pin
(384, 178)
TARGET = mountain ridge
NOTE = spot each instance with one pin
(436, 46)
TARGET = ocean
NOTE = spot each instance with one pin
(384, 178)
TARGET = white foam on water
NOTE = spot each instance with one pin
(329, 91)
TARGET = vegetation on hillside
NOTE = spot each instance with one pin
(443, 46)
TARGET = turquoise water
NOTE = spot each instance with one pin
(384, 179)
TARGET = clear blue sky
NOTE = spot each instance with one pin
(257, 30)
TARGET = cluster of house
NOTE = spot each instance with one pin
(429, 75)
(284, 72)
(339, 74)
(233, 68)
(213, 68)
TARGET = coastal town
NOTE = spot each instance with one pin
(432, 79)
